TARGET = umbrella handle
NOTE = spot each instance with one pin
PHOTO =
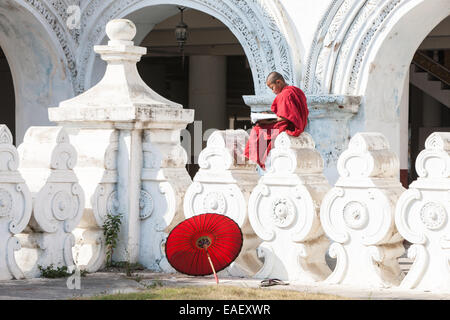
(210, 262)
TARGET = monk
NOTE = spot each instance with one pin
(292, 114)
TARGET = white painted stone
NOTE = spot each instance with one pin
(164, 183)
(96, 170)
(358, 214)
(284, 211)
(422, 215)
(122, 101)
(47, 162)
(223, 185)
(15, 206)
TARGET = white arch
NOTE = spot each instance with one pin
(364, 48)
(41, 79)
(253, 24)
(384, 69)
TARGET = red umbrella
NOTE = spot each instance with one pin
(204, 244)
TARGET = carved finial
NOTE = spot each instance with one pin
(120, 31)
(5, 135)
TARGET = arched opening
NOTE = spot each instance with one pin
(34, 76)
(384, 79)
(7, 110)
(429, 92)
(259, 27)
(210, 75)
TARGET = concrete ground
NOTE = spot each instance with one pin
(114, 282)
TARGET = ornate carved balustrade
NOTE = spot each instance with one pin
(130, 161)
(15, 206)
(223, 185)
(47, 160)
(358, 215)
(284, 211)
(361, 213)
(422, 217)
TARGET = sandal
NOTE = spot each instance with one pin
(272, 282)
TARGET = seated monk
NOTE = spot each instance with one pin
(292, 115)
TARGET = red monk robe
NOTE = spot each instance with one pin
(290, 104)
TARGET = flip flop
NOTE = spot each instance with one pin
(272, 282)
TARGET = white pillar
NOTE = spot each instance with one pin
(404, 137)
(431, 112)
(128, 188)
(207, 90)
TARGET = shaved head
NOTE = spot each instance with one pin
(275, 82)
(274, 76)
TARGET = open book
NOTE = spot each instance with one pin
(256, 116)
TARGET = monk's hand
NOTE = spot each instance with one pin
(280, 119)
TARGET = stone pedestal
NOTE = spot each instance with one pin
(47, 162)
(122, 101)
(358, 214)
(422, 215)
(15, 206)
(223, 185)
(328, 123)
(284, 211)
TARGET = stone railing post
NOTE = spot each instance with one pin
(422, 215)
(284, 211)
(47, 160)
(96, 170)
(223, 185)
(15, 206)
(358, 214)
(122, 101)
(164, 183)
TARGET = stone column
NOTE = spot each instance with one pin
(431, 112)
(123, 102)
(207, 90)
(207, 95)
(404, 133)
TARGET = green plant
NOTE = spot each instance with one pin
(59, 272)
(51, 272)
(127, 266)
(111, 228)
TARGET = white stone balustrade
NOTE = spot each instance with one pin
(15, 206)
(284, 211)
(422, 215)
(119, 146)
(96, 170)
(358, 214)
(223, 185)
(47, 160)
